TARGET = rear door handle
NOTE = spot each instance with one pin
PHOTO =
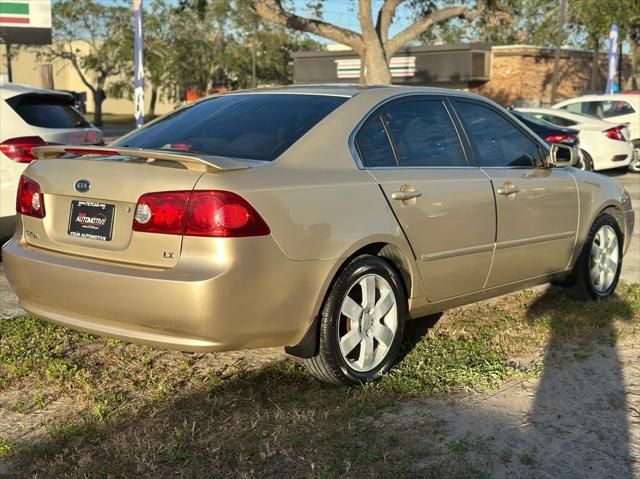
(405, 195)
(508, 189)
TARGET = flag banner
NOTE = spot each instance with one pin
(398, 66)
(138, 66)
(612, 70)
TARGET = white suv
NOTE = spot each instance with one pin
(32, 117)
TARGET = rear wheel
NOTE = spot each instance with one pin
(361, 325)
(597, 271)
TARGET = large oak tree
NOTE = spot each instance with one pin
(372, 43)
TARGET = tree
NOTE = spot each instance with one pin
(373, 44)
(594, 19)
(87, 34)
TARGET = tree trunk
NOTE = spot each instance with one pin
(634, 82)
(376, 67)
(152, 102)
(595, 65)
(98, 97)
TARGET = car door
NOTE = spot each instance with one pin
(445, 207)
(537, 206)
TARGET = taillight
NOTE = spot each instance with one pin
(615, 133)
(19, 149)
(561, 138)
(162, 212)
(30, 200)
(211, 213)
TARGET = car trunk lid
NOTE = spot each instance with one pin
(90, 202)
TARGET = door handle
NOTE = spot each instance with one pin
(405, 195)
(508, 189)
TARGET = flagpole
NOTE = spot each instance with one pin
(138, 63)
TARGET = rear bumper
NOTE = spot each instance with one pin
(223, 294)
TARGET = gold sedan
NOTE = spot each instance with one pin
(319, 218)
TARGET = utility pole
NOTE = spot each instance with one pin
(556, 60)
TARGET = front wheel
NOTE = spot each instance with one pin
(597, 271)
(361, 324)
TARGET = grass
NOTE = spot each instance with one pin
(149, 413)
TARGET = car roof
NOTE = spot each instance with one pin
(9, 90)
(350, 90)
(603, 97)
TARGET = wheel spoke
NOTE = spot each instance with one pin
(349, 341)
(351, 309)
(383, 334)
(595, 273)
(365, 360)
(595, 250)
(383, 306)
(368, 286)
(612, 266)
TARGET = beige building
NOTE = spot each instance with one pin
(61, 75)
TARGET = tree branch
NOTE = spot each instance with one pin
(385, 17)
(273, 11)
(423, 24)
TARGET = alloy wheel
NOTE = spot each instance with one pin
(368, 322)
(605, 258)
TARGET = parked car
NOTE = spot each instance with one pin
(549, 132)
(619, 108)
(602, 144)
(33, 117)
(320, 218)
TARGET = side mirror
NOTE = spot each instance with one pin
(562, 155)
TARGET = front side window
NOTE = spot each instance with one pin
(252, 126)
(498, 141)
(423, 134)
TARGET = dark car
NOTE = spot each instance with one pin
(548, 131)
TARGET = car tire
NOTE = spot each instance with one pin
(634, 166)
(360, 332)
(597, 270)
(587, 161)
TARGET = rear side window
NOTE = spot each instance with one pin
(499, 142)
(558, 120)
(423, 134)
(252, 126)
(47, 111)
(373, 145)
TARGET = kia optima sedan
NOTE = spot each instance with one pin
(319, 218)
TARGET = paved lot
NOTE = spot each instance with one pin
(630, 273)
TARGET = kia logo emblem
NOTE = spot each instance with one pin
(83, 186)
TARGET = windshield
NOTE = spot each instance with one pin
(252, 126)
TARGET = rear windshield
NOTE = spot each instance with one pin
(251, 126)
(48, 111)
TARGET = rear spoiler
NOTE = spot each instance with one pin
(192, 162)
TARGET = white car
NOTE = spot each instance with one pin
(621, 108)
(32, 117)
(603, 145)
